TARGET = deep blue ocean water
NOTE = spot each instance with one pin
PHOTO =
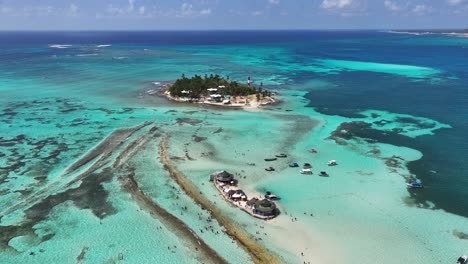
(444, 98)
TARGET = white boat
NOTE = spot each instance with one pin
(271, 196)
(332, 163)
(306, 171)
(462, 260)
(414, 185)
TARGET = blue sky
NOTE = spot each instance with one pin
(231, 14)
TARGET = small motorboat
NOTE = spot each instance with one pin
(312, 150)
(306, 171)
(270, 169)
(323, 174)
(282, 155)
(462, 260)
(293, 165)
(270, 159)
(307, 166)
(414, 185)
(270, 196)
(332, 163)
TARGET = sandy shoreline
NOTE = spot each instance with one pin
(257, 251)
(193, 241)
(251, 102)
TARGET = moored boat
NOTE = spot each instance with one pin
(312, 150)
(462, 260)
(271, 196)
(282, 155)
(414, 185)
(332, 163)
(270, 169)
(307, 166)
(270, 159)
(306, 171)
(323, 174)
(293, 164)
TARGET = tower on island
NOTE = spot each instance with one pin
(248, 81)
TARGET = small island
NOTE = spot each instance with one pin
(214, 90)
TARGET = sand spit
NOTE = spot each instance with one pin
(205, 253)
(114, 153)
(257, 251)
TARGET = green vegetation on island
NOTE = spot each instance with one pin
(199, 86)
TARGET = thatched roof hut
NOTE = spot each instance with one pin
(252, 202)
(265, 207)
(223, 176)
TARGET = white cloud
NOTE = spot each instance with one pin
(455, 2)
(186, 7)
(6, 10)
(205, 12)
(114, 10)
(392, 6)
(72, 10)
(39, 11)
(459, 6)
(257, 13)
(422, 9)
(188, 10)
(131, 5)
(345, 8)
(274, 2)
(336, 4)
(131, 9)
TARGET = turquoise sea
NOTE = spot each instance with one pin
(79, 118)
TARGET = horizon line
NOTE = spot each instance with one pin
(232, 29)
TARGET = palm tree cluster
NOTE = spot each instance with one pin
(197, 86)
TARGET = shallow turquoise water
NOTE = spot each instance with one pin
(59, 104)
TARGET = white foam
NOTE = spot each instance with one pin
(87, 55)
(103, 46)
(60, 46)
(455, 34)
(410, 33)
